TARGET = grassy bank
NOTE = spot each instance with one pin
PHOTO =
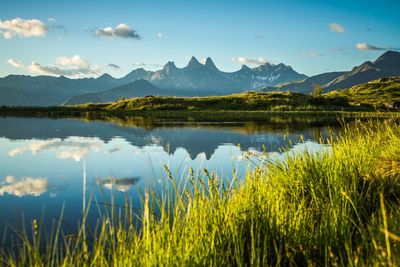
(336, 208)
(93, 112)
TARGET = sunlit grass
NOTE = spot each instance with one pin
(331, 208)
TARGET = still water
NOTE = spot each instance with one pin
(42, 161)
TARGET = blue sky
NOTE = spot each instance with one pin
(311, 36)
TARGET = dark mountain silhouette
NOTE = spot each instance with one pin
(132, 89)
(22, 90)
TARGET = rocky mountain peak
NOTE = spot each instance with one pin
(193, 63)
(210, 64)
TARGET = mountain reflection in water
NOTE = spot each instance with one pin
(41, 160)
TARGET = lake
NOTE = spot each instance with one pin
(43, 161)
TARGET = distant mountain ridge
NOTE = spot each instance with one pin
(207, 78)
(305, 86)
(22, 90)
(129, 90)
(195, 79)
(386, 65)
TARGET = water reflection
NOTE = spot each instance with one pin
(25, 186)
(121, 184)
(70, 148)
(194, 137)
(41, 160)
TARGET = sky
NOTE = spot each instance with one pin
(88, 38)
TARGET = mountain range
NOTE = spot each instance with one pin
(195, 79)
(387, 65)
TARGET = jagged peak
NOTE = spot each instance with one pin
(245, 67)
(266, 65)
(170, 64)
(209, 61)
(210, 64)
(193, 62)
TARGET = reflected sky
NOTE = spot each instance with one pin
(26, 186)
(41, 160)
(120, 184)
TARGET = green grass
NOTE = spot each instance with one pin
(382, 94)
(335, 208)
(379, 94)
(373, 99)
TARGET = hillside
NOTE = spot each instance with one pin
(383, 93)
(23, 90)
(133, 89)
(249, 101)
(379, 94)
(386, 65)
(306, 86)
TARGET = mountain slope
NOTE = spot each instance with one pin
(22, 90)
(306, 86)
(133, 89)
(388, 64)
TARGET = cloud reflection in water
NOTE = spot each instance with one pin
(70, 148)
(25, 186)
(121, 184)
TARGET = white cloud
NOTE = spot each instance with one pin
(51, 19)
(122, 31)
(15, 63)
(74, 148)
(368, 47)
(336, 27)
(159, 35)
(311, 54)
(22, 28)
(24, 186)
(74, 66)
(7, 35)
(250, 61)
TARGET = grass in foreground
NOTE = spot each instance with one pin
(337, 208)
